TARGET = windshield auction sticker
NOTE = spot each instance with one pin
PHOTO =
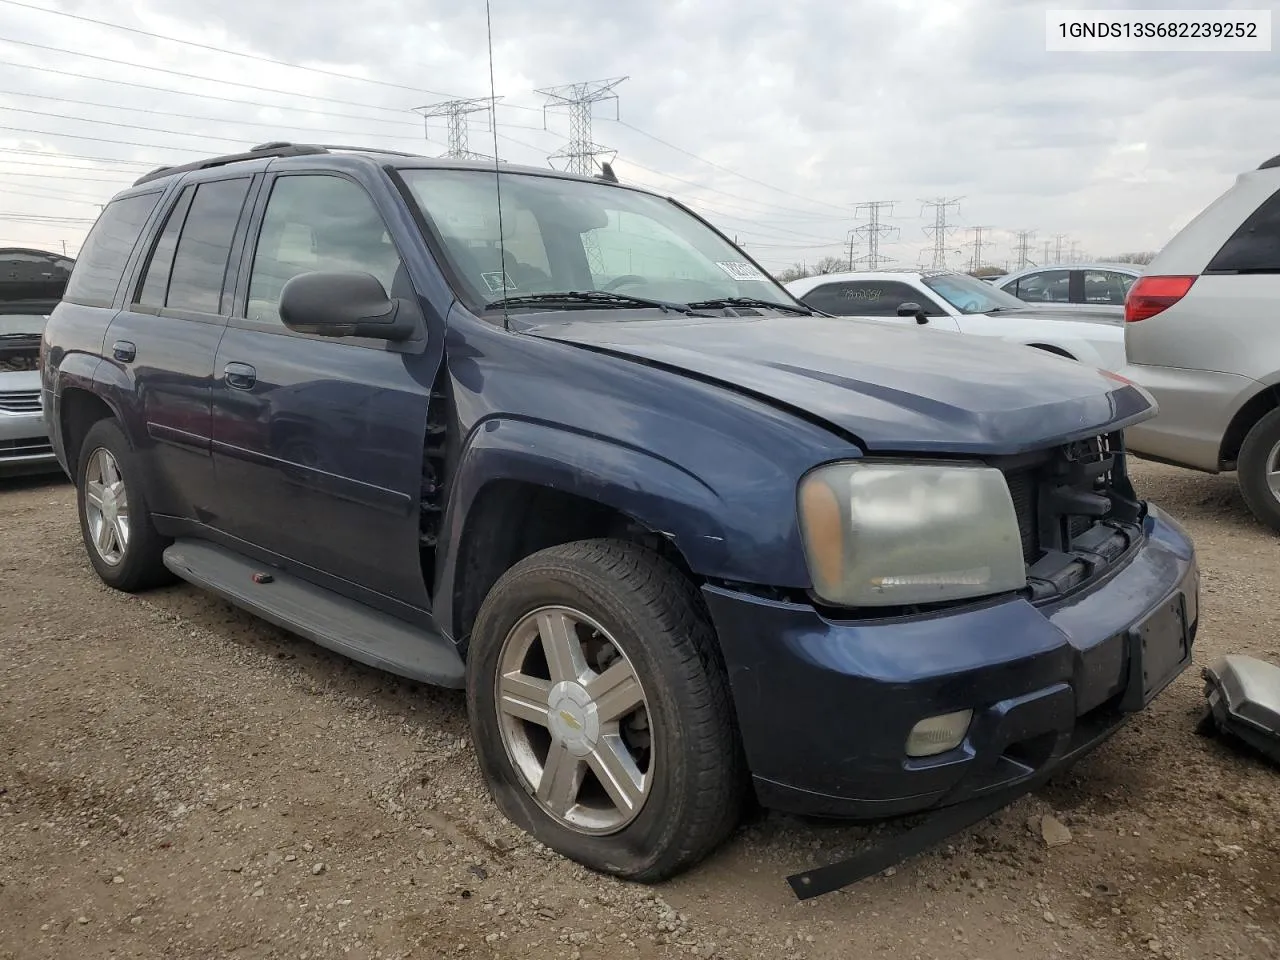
(740, 270)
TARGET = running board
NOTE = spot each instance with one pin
(346, 626)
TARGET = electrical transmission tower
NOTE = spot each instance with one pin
(1057, 246)
(1022, 247)
(940, 231)
(871, 232)
(975, 261)
(1074, 255)
(1047, 243)
(581, 151)
(455, 113)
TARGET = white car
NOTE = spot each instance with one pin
(958, 303)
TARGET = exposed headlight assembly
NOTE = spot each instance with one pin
(888, 534)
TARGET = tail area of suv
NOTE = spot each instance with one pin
(1201, 336)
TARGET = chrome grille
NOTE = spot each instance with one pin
(33, 447)
(20, 401)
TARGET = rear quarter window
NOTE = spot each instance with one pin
(1255, 246)
(106, 250)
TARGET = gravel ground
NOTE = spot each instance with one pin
(178, 779)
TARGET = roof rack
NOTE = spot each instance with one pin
(278, 148)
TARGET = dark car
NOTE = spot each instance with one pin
(31, 283)
(678, 536)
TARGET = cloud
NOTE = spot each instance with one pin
(798, 111)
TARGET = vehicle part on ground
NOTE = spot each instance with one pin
(1243, 696)
(599, 710)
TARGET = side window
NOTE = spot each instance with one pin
(1255, 246)
(827, 297)
(868, 298)
(155, 281)
(1047, 286)
(1106, 287)
(107, 248)
(317, 222)
(200, 259)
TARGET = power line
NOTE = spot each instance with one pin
(75, 156)
(202, 79)
(940, 230)
(184, 116)
(580, 98)
(718, 166)
(234, 53)
(123, 143)
(456, 113)
(872, 231)
(203, 96)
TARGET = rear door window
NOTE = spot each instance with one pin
(1255, 246)
(106, 250)
(1047, 286)
(1106, 287)
(155, 282)
(204, 246)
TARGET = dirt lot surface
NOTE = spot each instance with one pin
(178, 779)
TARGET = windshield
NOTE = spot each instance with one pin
(565, 236)
(970, 295)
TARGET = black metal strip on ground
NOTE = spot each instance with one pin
(940, 825)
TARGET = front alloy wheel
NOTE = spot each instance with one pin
(600, 709)
(574, 720)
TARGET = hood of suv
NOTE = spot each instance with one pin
(896, 389)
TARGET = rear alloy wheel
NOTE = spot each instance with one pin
(600, 710)
(123, 545)
(1258, 470)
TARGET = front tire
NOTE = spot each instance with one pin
(122, 542)
(1258, 470)
(600, 710)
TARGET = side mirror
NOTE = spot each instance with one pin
(331, 304)
(912, 309)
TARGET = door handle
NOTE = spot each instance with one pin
(124, 351)
(240, 375)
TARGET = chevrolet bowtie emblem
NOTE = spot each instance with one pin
(570, 719)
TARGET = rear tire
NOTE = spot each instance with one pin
(1259, 459)
(686, 791)
(122, 542)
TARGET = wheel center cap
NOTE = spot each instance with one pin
(573, 718)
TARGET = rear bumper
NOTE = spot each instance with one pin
(825, 707)
(1196, 406)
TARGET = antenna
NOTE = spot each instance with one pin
(497, 170)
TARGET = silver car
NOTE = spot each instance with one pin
(31, 283)
(1094, 289)
(1201, 336)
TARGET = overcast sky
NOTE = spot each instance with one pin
(773, 119)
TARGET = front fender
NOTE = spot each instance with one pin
(663, 496)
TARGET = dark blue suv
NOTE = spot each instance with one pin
(563, 444)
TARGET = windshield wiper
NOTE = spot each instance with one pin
(600, 298)
(750, 302)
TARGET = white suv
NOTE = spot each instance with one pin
(1202, 334)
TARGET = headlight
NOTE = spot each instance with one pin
(879, 534)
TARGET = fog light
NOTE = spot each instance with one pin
(936, 735)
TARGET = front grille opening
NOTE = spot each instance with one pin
(1073, 503)
(20, 401)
